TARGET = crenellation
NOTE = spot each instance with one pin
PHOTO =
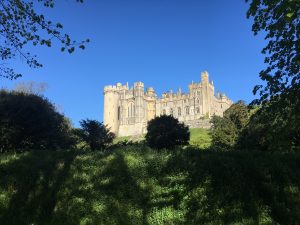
(127, 110)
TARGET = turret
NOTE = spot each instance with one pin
(139, 107)
(112, 109)
(207, 93)
(204, 77)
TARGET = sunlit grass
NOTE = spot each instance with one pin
(200, 138)
(138, 185)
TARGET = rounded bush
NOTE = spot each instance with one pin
(166, 132)
(29, 121)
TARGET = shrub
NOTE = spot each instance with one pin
(224, 133)
(166, 132)
(96, 134)
(29, 121)
(274, 127)
(226, 130)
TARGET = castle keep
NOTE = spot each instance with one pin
(127, 110)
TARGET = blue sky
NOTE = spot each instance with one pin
(164, 43)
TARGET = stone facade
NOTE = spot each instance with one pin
(127, 110)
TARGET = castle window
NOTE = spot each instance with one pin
(221, 106)
(164, 112)
(198, 101)
(179, 111)
(197, 110)
(171, 112)
(131, 110)
(187, 110)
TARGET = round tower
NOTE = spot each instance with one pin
(112, 110)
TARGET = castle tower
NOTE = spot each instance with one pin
(112, 110)
(205, 92)
(139, 103)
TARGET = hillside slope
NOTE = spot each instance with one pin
(137, 185)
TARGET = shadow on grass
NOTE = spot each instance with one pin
(240, 187)
(32, 183)
(137, 185)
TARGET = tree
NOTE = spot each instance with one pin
(227, 129)
(224, 133)
(29, 121)
(21, 25)
(270, 130)
(166, 132)
(96, 134)
(275, 126)
(31, 87)
(280, 21)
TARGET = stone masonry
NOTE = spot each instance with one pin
(127, 110)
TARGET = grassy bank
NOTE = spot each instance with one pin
(137, 185)
(199, 138)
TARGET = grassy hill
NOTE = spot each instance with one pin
(138, 185)
(199, 138)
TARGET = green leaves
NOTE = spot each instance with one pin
(280, 21)
(23, 25)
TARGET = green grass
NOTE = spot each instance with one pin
(200, 138)
(137, 185)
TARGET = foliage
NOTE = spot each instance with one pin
(96, 134)
(274, 127)
(166, 132)
(226, 129)
(224, 133)
(280, 21)
(22, 25)
(29, 121)
(141, 186)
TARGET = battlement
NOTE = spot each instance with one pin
(117, 87)
(139, 84)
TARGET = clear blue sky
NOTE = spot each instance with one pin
(164, 43)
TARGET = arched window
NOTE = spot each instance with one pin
(179, 111)
(197, 110)
(171, 112)
(164, 112)
(187, 110)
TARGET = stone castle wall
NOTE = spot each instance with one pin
(127, 110)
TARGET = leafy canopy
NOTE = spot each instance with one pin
(21, 25)
(29, 121)
(227, 129)
(280, 21)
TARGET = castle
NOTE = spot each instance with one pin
(127, 110)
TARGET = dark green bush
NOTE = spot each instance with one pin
(29, 121)
(274, 127)
(166, 132)
(96, 134)
(227, 129)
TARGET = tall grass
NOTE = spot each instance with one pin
(137, 185)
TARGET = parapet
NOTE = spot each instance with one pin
(205, 76)
(117, 87)
(139, 84)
